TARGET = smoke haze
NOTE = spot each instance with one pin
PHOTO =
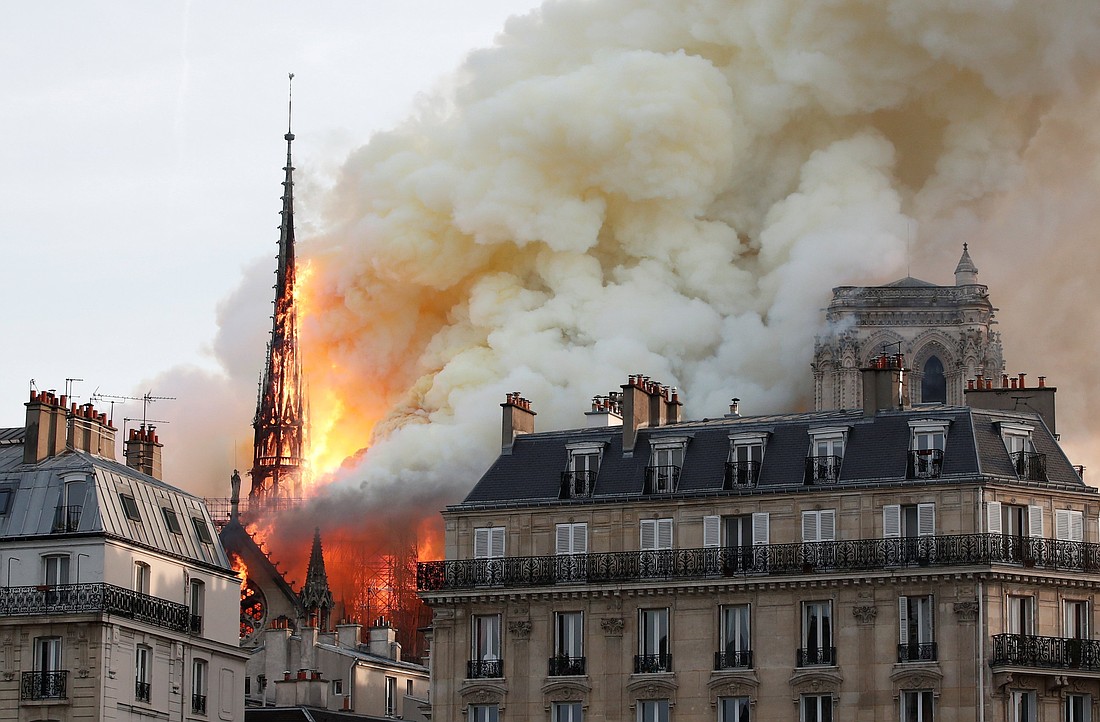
(673, 188)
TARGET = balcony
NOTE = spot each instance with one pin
(855, 555)
(44, 685)
(924, 464)
(198, 703)
(1027, 650)
(917, 652)
(661, 479)
(823, 469)
(1030, 466)
(815, 656)
(652, 663)
(741, 475)
(484, 669)
(66, 519)
(733, 660)
(65, 599)
(566, 666)
(577, 484)
(142, 691)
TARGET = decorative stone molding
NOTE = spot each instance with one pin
(733, 683)
(521, 628)
(565, 691)
(966, 611)
(477, 692)
(865, 613)
(652, 686)
(612, 626)
(917, 675)
(815, 681)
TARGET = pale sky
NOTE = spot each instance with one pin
(142, 154)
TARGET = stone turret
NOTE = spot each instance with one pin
(316, 597)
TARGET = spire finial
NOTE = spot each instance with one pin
(289, 106)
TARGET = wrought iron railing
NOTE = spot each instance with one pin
(198, 703)
(196, 624)
(661, 479)
(924, 464)
(1028, 650)
(823, 469)
(741, 659)
(484, 668)
(762, 559)
(563, 666)
(142, 691)
(66, 519)
(577, 484)
(652, 663)
(1030, 466)
(741, 474)
(44, 685)
(102, 598)
(917, 652)
(814, 656)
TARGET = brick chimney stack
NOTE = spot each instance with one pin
(647, 403)
(885, 384)
(518, 418)
(143, 451)
(52, 428)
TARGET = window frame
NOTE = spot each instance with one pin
(483, 713)
(61, 576)
(653, 710)
(391, 696)
(662, 533)
(567, 711)
(143, 671)
(129, 506)
(571, 538)
(1020, 612)
(486, 643)
(920, 698)
(171, 521)
(143, 575)
(654, 631)
(823, 704)
(489, 542)
(202, 531)
(200, 684)
(569, 634)
(741, 705)
(821, 531)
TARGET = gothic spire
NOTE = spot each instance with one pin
(966, 273)
(316, 597)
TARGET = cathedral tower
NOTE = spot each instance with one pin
(279, 463)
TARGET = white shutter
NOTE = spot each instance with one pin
(760, 528)
(580, 538)
(664, 533)
(481, 543)
(1077, 526)
(809, 526)
(496, 541)
(1061, 524)
(926, 519)
(828, 525)
(712, 531)
(649, 534)
(993, 517)
(891, 521)
(903, 620)
(1035, 521)
(564, 539)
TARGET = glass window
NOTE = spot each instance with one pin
(736, 648)
(1021, 615)
(197, 603)
(47, 654)
(198, 686)
(141, 577)
(1075, 619)
(817, 633)
(337, 687)
(653, 710)
(143, 658)
(1023, 706)
(653, 640)
(55, 569)
(1078, 708)
(6, 495)
(48, 681)
(130, 507)
(663, 472)
(733, 709)
(567, 712)
(486, 637)
(171, 521)
(933, 383)
(569, 634)
(743, 463)
(817, 708)
(391, 696)
(202, 530)
(916, 705)
(484, 713)
(916, 642)
(579, 478)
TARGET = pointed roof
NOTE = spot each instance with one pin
(966, 272)
(316, 593)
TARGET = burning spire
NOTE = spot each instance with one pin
(316, 597)
(279, 454)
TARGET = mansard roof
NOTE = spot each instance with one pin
(38, 490)
(876, 453)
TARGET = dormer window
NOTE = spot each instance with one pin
(826, 454)
(743, 464)
(579, 478)
(1028, 464)
(663, 473)
(927, 440)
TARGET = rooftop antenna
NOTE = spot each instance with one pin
(145, 399)
(69, 387)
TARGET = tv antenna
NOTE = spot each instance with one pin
(145, 399)
(69, 387)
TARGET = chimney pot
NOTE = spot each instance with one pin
(1013, 383)
(970, 384)
(1022, 385)
(1042, 382)
(1004, 381)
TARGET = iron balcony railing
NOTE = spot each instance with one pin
(142, 691)
(823, 469)
(925, 464)
(652, 663)
(814, 656)
(661, 479)
(196, 624)
(741, 659)
(763, 559)
(484, 668)
(563, 666)
(93, 598)
(1028, 650)
(917, 652)
(198, 703)
(1030, 466)
(741, 474)
(577, 484)
(66, 519)
(44, 685)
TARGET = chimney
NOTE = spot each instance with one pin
(1015, 395)
(734, 413)
(347, 635)
(91, 431)
(518, 418)
(46, 427)
(647, 403)
(606, 411)
(673, 407)
(382, 641)
(885, 385)
(142, 451)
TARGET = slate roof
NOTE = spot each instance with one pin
(876, 453)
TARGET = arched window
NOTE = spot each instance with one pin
(933, 386)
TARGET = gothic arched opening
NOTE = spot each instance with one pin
(933, 384)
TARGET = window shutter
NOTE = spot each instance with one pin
(1077, 526)
(809, 526)
(496, 541)
(664, 533)
(828, 525)
(712, 531)
(481, 543)
(564, 541)
(649, 534)
(931, 618)
(1035, 521)
(926, 519)
(993, 517)
(580, 538)
(1061, 524)
(760, 528)
(891, 521)
(903, 620)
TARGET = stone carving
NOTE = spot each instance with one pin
(612, 626)
(520, 628)
(865, 613)
(966, 611)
